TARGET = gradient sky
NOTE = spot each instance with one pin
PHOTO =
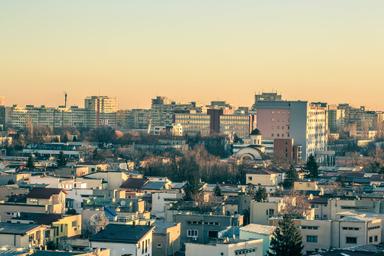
(328, 50)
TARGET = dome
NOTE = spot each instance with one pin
(256, 132)
(249, 154)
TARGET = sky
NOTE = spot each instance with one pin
(324, 50)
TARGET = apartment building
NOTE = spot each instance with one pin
(18, 235)
(202, 228)
(304, 122)
(329, 208)
(133, 119)
(238, 124)
(349, 230)
(265, 178)
(163, 110)
(336, 118)
(52, 198)
(166, 238)
(122, 239)
(261, 212)
(216, 122)
(194, 123)
(97, 111)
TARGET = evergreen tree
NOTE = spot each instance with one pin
(217, 190)
(261, 194)
(291, 177)
(312, 167)
(61, 160)
(286, 239)
(189, 192)
(30, 162)
(65, 138)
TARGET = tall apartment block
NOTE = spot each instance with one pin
(98, 111)
(305, 123)
(102, 110)
(164, 109)
(217, 120)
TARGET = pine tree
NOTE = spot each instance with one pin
(30, 162)
(312, 167)
(286, 239)
(292, 176)
(61, 160)
(261, 194)
(217, 190)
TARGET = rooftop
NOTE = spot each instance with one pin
(39, 218)
(16, 228)
(134, 183)
(43, 193)
(121, 233)
(259, 229)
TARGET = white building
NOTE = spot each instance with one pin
(256, 231)
(161, 200)
(124, 239)
(227, 248)
(349, 230)
(304, 122)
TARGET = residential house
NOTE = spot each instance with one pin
(52, 198)
(122, 239)
(20, 235)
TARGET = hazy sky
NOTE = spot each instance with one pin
(329, 50)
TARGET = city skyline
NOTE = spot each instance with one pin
(81, 102)
(202, 50)
(201, 127)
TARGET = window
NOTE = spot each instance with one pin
(312, 239)
(213, 234)
(192, 233)
(351, 240)
(270, 212)
(159, 245)
(376, 239)
(310, 227)
(370, 239)
(350, 228)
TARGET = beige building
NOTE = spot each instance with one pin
(264, 178)
(307, 186)
(349, 230)
(17, 235)
(66, 227)
(240, 125)
(329, 208)
(166, 239)
(194, 123)
(52, 198)
(261, 212)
